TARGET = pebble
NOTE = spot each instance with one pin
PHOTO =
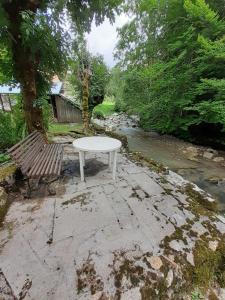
(155, 262)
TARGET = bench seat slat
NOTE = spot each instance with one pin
(40, 161)
(29, 160)
(52, 161)
(48, 156)
(35, 147)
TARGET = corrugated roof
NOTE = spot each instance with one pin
(7, 89)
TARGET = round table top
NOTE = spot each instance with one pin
(97, 144)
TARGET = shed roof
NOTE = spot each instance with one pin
(7, 89)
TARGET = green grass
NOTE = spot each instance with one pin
(59, 128)
(105, 109)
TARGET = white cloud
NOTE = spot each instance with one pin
(103, 38)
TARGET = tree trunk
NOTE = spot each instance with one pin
(32, 114)
(25, 66)
(2, 104)
(85, 97)
(10, 104)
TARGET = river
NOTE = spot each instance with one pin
(169, 151)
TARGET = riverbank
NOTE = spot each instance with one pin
(200, 165)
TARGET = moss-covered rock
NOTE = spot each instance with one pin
(6, 170)
(3, 204)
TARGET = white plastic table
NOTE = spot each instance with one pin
(97, 144)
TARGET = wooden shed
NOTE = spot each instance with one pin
(65, 110)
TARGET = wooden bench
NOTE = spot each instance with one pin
(36, 158)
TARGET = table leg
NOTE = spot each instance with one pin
(83, 158)
(81, 166)
(110, 160)
(114, 164)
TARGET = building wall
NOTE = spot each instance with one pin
(66, 112)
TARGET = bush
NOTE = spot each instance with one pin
(97, 114)
(12, 127)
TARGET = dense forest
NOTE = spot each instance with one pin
(171, 67)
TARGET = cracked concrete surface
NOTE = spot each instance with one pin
(74, 245)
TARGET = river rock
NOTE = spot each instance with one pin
(208, 155)
(214, 180)
(218, 159)
(192, 153)
(155, 262)
(210, 150)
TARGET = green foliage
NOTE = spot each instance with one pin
(172, 53)
(115, 88)
(98, 80)
(12, 126)
(4, 157)
(57, 128)
(196, 295)
(103, 110)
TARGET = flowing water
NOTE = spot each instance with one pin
(168, 150)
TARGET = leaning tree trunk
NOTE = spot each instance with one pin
(85, 97)
(25, 66)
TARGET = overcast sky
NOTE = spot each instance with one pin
(102, 39)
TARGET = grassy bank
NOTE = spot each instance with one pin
(59, 128)
(104, 109)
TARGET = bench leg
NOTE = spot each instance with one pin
(29, 189)
(81, 165)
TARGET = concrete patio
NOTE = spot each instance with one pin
(104, 239)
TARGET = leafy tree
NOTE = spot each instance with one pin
(97, 81)
(174, 65)
(34, 43)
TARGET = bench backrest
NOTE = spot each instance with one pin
(27, 150)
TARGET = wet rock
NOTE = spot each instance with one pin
(155, 262)
(213, 245)
(208, 155)
(213, 180)
(218, 159)
(210, 150)
(192, 153)
(169, 278)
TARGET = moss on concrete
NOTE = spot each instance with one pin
(199, 204)
(6, 170)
